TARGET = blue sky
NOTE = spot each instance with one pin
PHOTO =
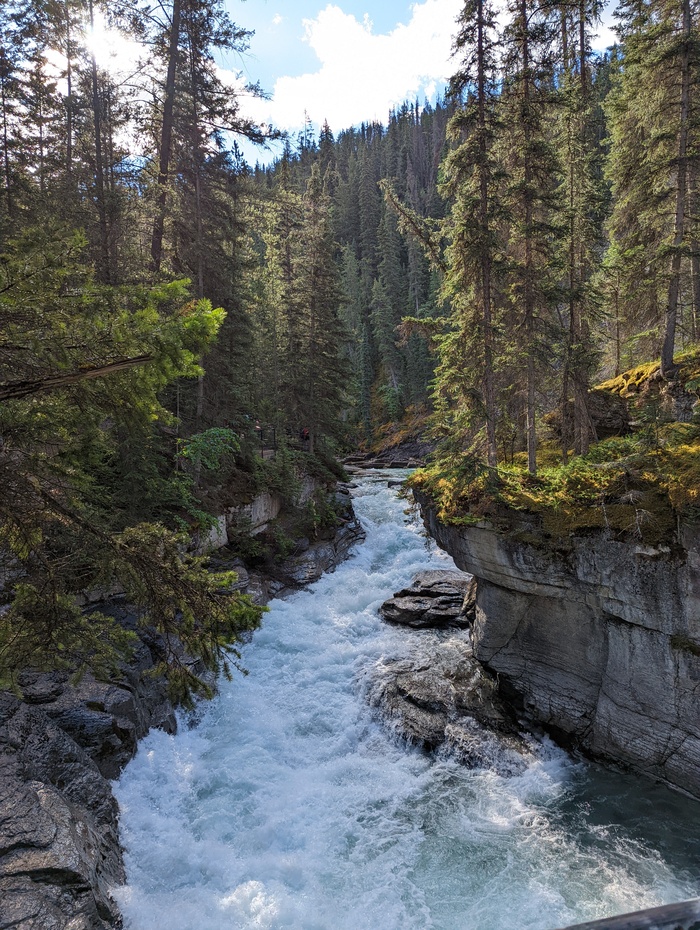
(278, 47)
(346, 61)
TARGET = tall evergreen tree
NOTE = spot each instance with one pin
(472, 182)
(531, 173)
(582, 192)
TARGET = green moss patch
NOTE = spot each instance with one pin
(637, 486)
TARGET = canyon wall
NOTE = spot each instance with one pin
(597, 639)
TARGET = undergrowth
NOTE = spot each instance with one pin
(637, 486)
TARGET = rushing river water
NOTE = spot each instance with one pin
(290, 805)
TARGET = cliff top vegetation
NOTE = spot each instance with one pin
(640, 484)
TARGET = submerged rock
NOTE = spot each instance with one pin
(434, 599)
(440, 696)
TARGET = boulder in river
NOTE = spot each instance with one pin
(440, 696)
(436, 598)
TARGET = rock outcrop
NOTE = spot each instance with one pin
(439, 696)
(59, 848)
(107, 719)
(408, 454)
(435, 599)
(597, 639)
(59, 841)
(310, 560)
(319, 557)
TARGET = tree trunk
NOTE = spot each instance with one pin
(104, 272)
(40, 120)
(112, 213)
(695, 275)
(580, 377)
(618, 350)
(69, 99)
(4, 70)
(529, 296)
(197, 161)
(486, 269)
(576, 425)
(166, 137)
(12, 390)
(668, 369)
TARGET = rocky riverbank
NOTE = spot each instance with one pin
(409, 454)
(62, 743)
(595, 638)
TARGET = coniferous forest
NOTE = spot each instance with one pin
(477, 266)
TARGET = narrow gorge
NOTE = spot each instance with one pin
(296, 801)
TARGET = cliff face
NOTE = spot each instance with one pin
(599, 639)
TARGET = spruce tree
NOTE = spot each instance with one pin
(653, 164)
(531, 171)
(583, 214)
(472, 182)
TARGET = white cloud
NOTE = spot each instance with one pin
(604, 36)
(363, 75)
(277, 19)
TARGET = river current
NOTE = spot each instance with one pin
(291, 806)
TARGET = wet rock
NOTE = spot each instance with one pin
(107, 719)
(315, 560)
(596, 639)
(434, 599)
(59, 844)
(59, 848)
(440, 696)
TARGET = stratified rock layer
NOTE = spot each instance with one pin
(59, 849)
(598, 639)
(434, 599)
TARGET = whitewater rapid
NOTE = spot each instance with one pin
(290, 806)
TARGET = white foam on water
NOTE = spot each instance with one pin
(290, 805)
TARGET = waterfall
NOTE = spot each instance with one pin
(290, 804)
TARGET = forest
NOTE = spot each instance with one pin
(473, 268)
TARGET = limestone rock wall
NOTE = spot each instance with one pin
(598, 639)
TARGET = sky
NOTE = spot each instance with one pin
(346, 61)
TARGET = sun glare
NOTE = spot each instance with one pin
(113, 51)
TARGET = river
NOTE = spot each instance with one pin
(291, 805)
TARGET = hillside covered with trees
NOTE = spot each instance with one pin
(476, 265)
